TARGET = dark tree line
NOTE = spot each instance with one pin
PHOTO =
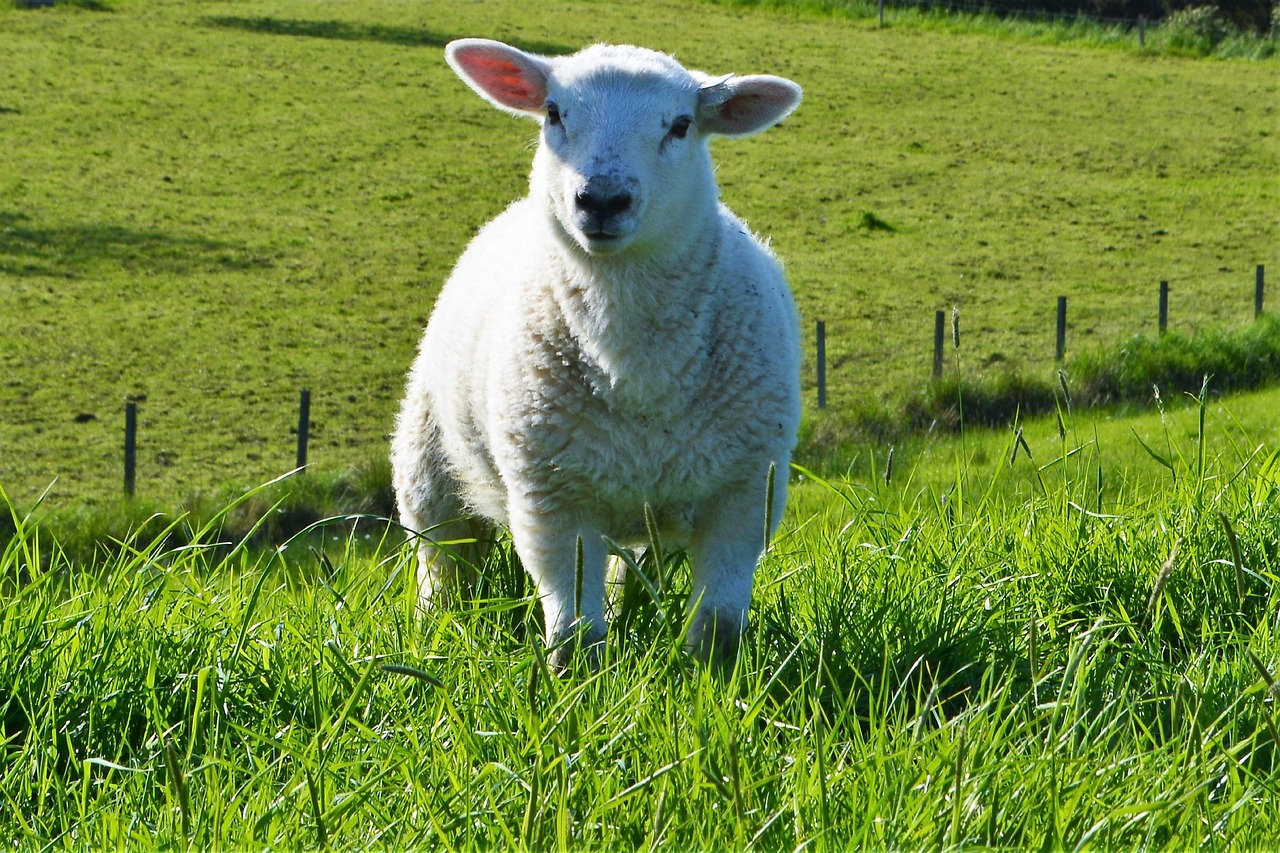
(1245, 15)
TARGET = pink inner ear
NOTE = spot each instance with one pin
(742, 107)
(498, 76)
(513, 84)
(754, 103)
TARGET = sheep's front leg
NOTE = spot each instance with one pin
(727, 543)
(548, 550)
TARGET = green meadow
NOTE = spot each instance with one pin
(1056, 633)
(208, 207)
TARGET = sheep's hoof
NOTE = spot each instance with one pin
(443, 583)
(714, 640)
(581, 648)
(434, 597)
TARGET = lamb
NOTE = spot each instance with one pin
(613, 344)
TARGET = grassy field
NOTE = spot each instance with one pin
(1063, 636)
(209, 206)
(1088, 664)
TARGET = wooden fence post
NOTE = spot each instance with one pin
(822, 365)
(1257, 292)
(1062, 328)
(130, 447)
(939, 329)
(1164, 306)
(304, 427)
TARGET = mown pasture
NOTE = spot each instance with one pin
(210, 206)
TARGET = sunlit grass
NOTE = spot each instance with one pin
(928, 666)
(1058, 633)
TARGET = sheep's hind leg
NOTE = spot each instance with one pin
(451, 544)
(624, 591)
(449, 557)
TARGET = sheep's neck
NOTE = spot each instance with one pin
(646, 325)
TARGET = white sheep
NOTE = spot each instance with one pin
(614, 341)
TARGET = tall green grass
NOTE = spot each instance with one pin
(332, 503)
(1237, 360)
(1134, 371)
(1089, 664)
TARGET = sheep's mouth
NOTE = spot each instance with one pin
(601, 229)
(603, 242)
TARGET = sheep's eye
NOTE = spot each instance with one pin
(553, 114)
(680, 127)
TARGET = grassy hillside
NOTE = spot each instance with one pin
(210, 206)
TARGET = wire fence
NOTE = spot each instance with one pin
(303, 431)
(1060, 331)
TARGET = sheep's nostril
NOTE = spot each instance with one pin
(618, 204)
(603, 205)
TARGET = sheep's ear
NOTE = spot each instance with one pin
(741, 106)
(507, 77)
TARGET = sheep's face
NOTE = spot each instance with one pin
(623, 163)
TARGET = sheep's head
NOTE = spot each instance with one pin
(623, 160)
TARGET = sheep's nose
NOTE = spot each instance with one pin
(597, 202)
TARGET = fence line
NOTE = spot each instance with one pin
(1060, 346)
(1164, 307)
(1060, 339)
(939, 333)
(1259, 285)
(822, 364)
(131, 439)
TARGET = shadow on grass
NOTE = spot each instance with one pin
(89, 5)
(348, 31)
(69, 250)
